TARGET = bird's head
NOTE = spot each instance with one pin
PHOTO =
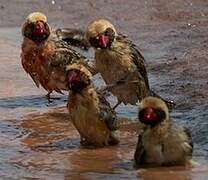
(36, 27)
(78, 77)
(152, 111)
(100, 34)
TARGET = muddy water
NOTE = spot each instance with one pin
(37, 141)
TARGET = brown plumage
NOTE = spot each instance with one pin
(162, 142)
(74, 37)
(118, 60)
(45, 56)
(90, 113)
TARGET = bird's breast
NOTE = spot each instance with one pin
(85, 118)
(36, 59)
(166, 149)
(113, 68)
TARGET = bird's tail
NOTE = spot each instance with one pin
(74, 37)
(170, 103)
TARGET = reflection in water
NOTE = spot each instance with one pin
(52, 133)
(33, 101)
(54, 147)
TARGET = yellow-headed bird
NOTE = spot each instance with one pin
(90, 113)
(162, 141)
(118, 60)
(45, 56)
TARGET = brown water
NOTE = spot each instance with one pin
(37, 140)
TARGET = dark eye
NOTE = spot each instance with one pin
(29, 29)
(160, 114)
(109, 32)
(94, 42)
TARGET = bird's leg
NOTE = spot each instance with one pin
(113, 140)
(116, 105)
(48, 96)
(84, 142)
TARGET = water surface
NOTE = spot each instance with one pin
(37, 140)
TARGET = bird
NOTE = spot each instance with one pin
(44, 55)
(162, 142)
(89, 111)
(119, 62)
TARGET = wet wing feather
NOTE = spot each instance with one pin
(140, 151)
(65, 55)
(190, 141)
(137, 57)
(74, 37)
(107, 113)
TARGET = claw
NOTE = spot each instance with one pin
(115, 106)
(48, 96)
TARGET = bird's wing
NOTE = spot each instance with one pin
(107, 113)
(140, 151)
(137, 57)
(189, 139)
(74, 37)
(64, 55)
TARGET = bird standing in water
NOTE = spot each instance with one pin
(118, 60)
(90, 113)
(45, 56)
(162, 142)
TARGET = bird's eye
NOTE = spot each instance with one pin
(94, 42)
(160, 113)
(109, 32)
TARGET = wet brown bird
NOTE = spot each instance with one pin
(162, 142)
(45, 56)
(118, 60)
(90, 113)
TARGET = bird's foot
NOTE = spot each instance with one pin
(48, 96)
(113, 140)
(50, 99)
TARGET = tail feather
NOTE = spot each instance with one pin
(74, 37)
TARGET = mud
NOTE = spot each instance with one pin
(37, 139)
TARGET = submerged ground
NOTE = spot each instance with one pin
(37, 141)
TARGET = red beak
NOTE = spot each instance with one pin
(39, 28)
(103, 41)
(150, 114)
(72, 76)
